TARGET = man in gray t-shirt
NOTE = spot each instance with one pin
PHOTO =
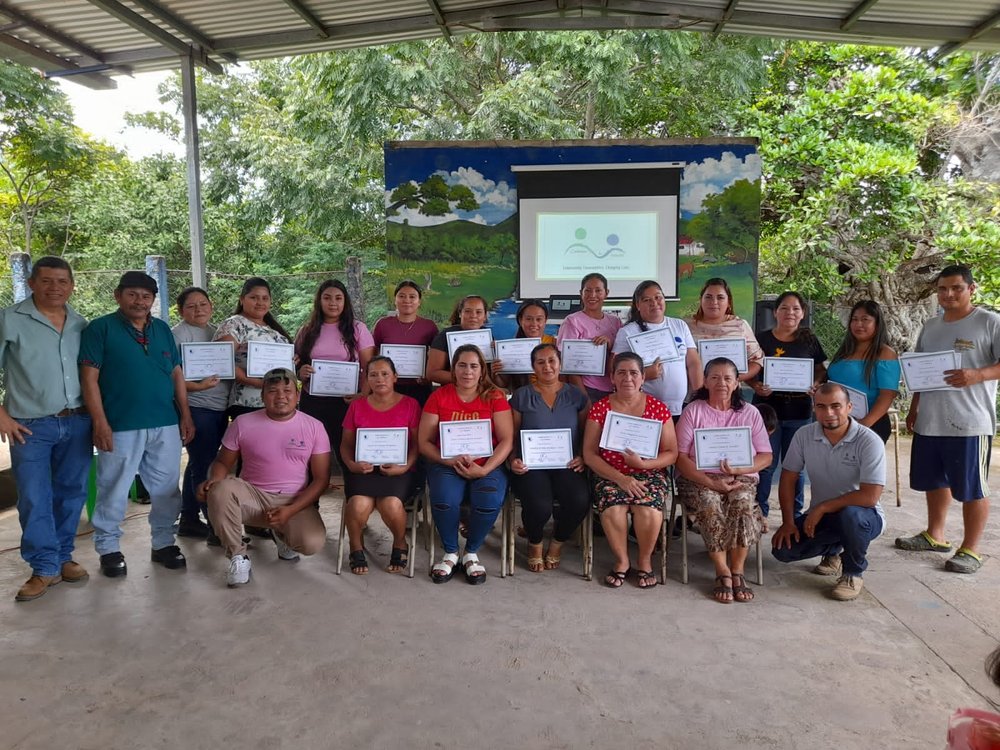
(954, 429)
(846, 466)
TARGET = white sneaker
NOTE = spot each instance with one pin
(284, 551)
(239, 571)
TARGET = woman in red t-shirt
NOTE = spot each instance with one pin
(385, 487)
(625, 482)
(471, 395)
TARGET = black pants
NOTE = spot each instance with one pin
(330, 410)
(540, 489)
(883, 428)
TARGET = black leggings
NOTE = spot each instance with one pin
(540, 489)
(330, 410)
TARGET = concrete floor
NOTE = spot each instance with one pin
(303, 659)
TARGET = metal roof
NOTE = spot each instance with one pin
(91, 40)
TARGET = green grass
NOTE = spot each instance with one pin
(491, 282)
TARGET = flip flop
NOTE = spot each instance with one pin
(616, 578)
(647, 580)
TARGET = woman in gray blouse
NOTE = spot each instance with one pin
(548, 404)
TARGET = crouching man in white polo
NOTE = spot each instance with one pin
(286, 467)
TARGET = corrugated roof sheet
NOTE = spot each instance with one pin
(93, 38)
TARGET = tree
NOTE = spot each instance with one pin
(857, 204)
(432, 197)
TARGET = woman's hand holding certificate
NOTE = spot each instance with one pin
(547, 449)
(333, 378)
(410, 360)
(722, 448)
(789, 374)
(735, 350)
(208, 359)
(264, 356)
(654, 345)
(466, 437)
(623, 432)
(381, 446)
(515, 355)
(584, 357)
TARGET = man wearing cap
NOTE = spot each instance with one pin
(44, 422)
(846, 465)
(134, 390)
(286, 467)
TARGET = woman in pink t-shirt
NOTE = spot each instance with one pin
(723, 498)
(385, 487)
(596, 325)
(332, 333)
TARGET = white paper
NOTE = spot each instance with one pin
(583, 357)
(466, 437)
(381, 446)
(789, 374)
(516, 355)
(859, 400)
(712, 445)
(410, 360)
(734, 350)
(547, 449)
(207, 359)
(264, 356)
(924, 371)
(333, 378)
(623, 431)
(653, 345)
(481, 337)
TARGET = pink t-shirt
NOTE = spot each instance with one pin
(579, 325)
(330, 344)
(276, 453)
(698, 414)
(361, 414)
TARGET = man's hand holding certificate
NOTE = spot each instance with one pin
(929, 371)
(623, 432)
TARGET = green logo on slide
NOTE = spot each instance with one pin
(579, 248)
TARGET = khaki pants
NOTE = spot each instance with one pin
(233, 502)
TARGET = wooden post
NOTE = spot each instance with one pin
(355, 285)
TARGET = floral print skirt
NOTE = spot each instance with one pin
(607, 493)
(727, 520)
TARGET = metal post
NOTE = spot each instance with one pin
(355, 287)
(195, 224)
(20, 270)
(156, 266)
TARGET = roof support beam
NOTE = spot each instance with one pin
(191, 32)
(150, 29)
(439, 17)
(859, 10)
(43, 59)
(189, 106)
(65, 40)
(977, 32)
(307, 15)
(726, 15)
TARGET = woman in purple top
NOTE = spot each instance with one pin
(723, 498)
(596, 325)
(407, 327)
(332, 333)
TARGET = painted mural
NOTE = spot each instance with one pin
(451, 216)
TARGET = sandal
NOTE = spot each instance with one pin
(741, 592)
(475, 573)
(398, 559)
(615, 578)
(444, 570)
(358, 563)
(721, 591)
(646, 579)
(535, 562)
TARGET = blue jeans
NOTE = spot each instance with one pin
(447, 490)
(51, 471)
(847, 532)
(156, 455)
(780, 439)
(209, 427)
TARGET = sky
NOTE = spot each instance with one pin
(101, 113)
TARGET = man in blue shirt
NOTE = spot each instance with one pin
(46, 425)
(134, 390)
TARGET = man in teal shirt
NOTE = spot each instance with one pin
(44, 422)
(134, 390)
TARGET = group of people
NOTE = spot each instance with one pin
(261, 449)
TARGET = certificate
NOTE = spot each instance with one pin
(547, 449)
(481, 337)
(264, 356)
(654, 345)
(331, 378)
(924, 371)
(715, 444)
(789, 374)
(735, 350)
(859, 400)
(208, 359)
(468, 437)
(381, 446)
(583, 357)
(623, 432)
(410, 360)
(516, 355)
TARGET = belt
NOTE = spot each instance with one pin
(71, 412)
